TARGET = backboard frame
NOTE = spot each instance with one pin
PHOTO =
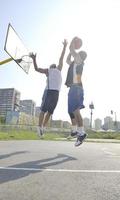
(5, 47)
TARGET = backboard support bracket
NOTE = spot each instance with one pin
(6, 61)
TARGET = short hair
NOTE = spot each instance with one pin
(53, 66)
(83, 55)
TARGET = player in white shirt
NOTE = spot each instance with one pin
(51, 92)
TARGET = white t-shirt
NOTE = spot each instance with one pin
(54, 79)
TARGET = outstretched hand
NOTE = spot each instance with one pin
(32, 55)
(65, 42)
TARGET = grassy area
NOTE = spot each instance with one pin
(104, 135)
(20, 135)
(30, 135)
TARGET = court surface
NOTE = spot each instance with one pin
(49, 170)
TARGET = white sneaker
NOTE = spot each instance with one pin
(78, 143)
(39, 131)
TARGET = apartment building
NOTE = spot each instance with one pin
(28, 106)
(9, 100)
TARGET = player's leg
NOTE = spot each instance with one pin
(78, 118)
(42, 112)
(74, 125)
(41, 118)
(81, 135)
(40, 126)
(46, 119)
(75, 103)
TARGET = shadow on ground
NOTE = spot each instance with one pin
(26, 168)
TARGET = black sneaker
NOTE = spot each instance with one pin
(80, 139)
(73, 133)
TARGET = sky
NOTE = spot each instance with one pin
(42, 25)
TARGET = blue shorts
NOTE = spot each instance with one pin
(75, 98)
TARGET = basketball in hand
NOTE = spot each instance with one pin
(77, 43)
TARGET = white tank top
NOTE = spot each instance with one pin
(54, 79)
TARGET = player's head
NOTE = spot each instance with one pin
(53, 66)
(80, 57)
(83, 55)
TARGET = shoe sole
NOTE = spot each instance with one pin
(81, 141)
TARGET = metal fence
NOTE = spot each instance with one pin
(18, 128)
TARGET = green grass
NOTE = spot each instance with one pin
(30, 135)
(18, 135)
(104, 135)
(53, 136)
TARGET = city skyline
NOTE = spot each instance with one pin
(46, 27)
(29, 106)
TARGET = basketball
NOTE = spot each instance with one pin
(77, 43)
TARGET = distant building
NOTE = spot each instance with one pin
(108, 123)
(86, 122)
(9, 100)
(28, 106)
(98, 124)
(118, 125)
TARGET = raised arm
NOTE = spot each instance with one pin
(41, 70)
(60, 65)
(72, 48)
(76, 55)
(68, 60)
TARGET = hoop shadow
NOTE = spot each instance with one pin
(11, 154)
(12, 174)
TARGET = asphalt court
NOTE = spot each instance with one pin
(44, 165)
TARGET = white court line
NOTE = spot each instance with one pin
(61, 170)
(105, 150)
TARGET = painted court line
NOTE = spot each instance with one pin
(60, 170)
(106, 151)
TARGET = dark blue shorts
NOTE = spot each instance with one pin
(49, 100)
(75, 98)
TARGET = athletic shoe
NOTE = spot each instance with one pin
(39, 131)
(73, 133)
(80, 139)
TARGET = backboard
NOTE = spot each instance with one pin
(16, 49)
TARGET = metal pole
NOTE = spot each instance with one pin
(91, 119)
(115, 121)
(5, 61)
(91, 106)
